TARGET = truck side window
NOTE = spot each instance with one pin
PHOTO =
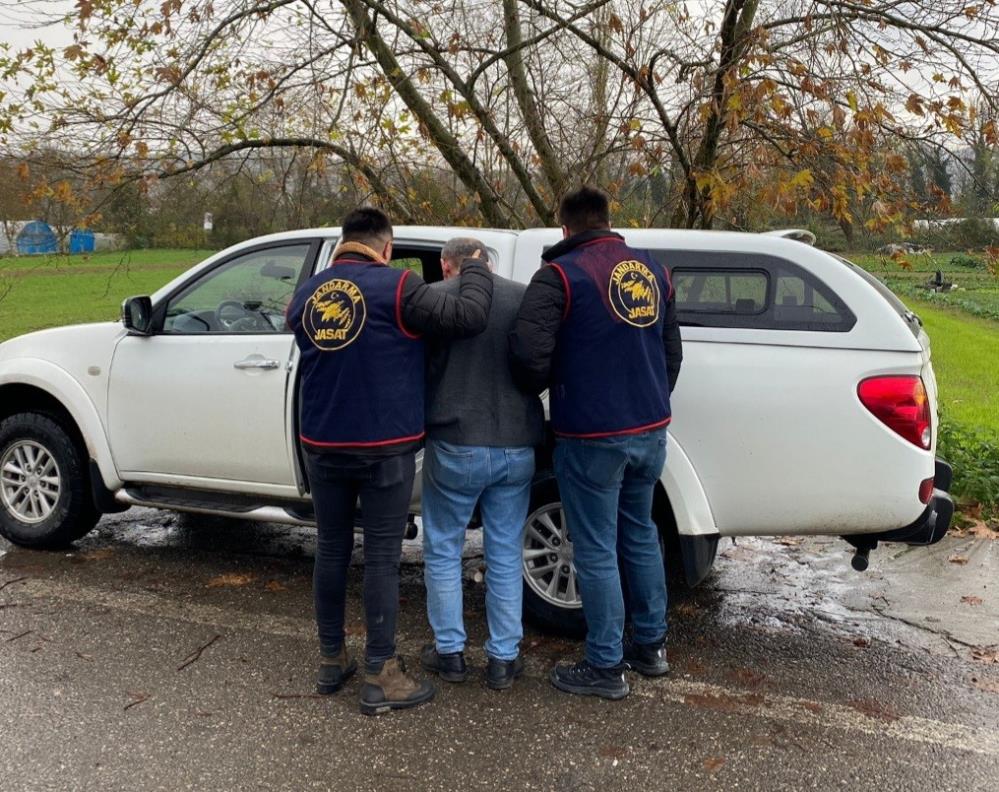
(247, 294)
(752, 290)
(424, 260)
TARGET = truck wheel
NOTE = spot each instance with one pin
(45, 499)
(551, 597)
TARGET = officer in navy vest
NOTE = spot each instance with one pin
(609, 374)
(362, 369)
(359, 325)
(598, 328)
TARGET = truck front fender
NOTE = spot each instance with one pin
(65, 389)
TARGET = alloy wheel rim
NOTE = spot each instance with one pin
(30, 481)
(549, 568)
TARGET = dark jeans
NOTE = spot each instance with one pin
(384, 486)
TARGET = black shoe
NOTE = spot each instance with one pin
(647, 659)
(449, 667)
(584, 679)
(500, 674)
(334, 671)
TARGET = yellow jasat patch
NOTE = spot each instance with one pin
(335, 314)
(634, 293)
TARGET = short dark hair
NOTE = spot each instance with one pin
(585, 209)
(365, 224)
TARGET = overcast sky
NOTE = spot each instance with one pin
(20, 21)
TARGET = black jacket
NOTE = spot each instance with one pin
(438, 314)
(532, 342)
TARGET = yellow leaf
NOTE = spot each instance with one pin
(802, 178)
(851, 99)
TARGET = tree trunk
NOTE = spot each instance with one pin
(846, 226)
(696, 207)
(446, 143)
(528, 102)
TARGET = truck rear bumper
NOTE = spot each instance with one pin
(929, 528)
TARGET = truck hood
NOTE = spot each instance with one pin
(66, 346)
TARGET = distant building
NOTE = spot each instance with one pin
(936, 225)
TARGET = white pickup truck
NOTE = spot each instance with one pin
(806, 404)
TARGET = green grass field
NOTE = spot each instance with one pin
(47, 291)
(966, 361)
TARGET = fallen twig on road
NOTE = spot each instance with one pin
(12, 582)
(297, 696)
(19, 635)
(137, 698)
(196, 654)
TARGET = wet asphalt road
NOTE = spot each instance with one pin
(175, 653)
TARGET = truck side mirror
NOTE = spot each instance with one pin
(137, 315)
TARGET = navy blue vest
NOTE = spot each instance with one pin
(609, 369)
(362, 371)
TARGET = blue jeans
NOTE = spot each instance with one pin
(606, 487)
(455, 478)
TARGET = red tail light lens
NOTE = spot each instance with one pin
(899, 402)
(925, 490)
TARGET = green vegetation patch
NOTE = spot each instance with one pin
(61, 264)
(975, 460)
(976, 290)
(37, 292)
(966, 361)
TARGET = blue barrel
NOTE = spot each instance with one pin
(81, 241)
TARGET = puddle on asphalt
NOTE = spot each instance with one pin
(911, 595)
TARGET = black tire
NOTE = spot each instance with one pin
(542, 612)
(73, 513)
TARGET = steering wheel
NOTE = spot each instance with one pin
(236, 317)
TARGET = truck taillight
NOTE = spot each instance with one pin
(925, 490)
(899, 402)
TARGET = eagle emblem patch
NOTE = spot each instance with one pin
(634, 293)
(334, 315)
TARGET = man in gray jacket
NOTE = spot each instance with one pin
(481, 434)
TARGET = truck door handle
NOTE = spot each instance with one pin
(256, 362)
